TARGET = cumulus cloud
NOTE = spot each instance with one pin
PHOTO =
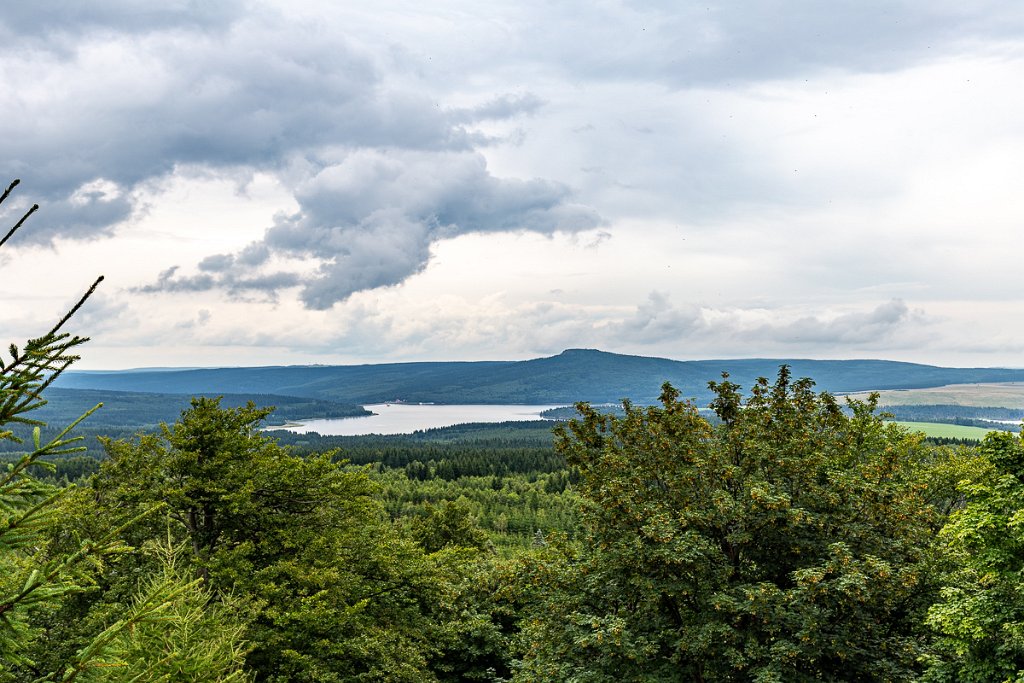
(126, 92)
(118, 95)
(843, 330)
(656, 321)
(126, 102)
(368, 221)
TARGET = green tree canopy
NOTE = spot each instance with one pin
(980, 617)
(338, 592)
(786, 544)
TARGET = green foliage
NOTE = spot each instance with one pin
(980, 617)
(465, 450)
(338, 592)
(31, 580)
(510, 509)
(787, 544)
(173, 630)
(448, 525)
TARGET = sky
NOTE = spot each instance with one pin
(271, 183)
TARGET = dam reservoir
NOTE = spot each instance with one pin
(405, 418)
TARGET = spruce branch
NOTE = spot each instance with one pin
(35, 207)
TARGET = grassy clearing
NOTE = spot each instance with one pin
(1003, 395)
(946, 431)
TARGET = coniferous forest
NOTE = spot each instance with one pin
(790, 538)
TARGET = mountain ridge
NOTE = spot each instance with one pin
(570, 376)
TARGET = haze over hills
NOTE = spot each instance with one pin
(573, 375)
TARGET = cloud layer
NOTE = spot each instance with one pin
(796, 178)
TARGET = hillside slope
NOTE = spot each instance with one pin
(573, 375)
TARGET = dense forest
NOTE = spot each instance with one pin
(786, 537)
(787, 540)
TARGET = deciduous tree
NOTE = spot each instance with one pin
(980, 616)
(786, 544)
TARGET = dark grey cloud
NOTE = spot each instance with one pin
(90, 212)
(169, 281)
(115, 95)
(369, 220)
(240, 285)
(31, 21)
(256, 93)
(501, 107)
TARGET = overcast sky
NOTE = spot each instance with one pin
(323, 182)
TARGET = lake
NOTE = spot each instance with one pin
(405, 418)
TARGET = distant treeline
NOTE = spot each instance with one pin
(125, 414)
(967, 416)
(445, 453)
(933, 413)
(468, 450)
(136, 409)
(564, 413)
(951, 441)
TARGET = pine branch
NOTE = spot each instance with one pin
(74, 309)
(7, 192)
(35, 207)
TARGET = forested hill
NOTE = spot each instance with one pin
(573, 375)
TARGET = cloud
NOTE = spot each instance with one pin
(128, 102)
(117, 96)
(37, 21)
(500, 107)
(102, 315)
(848, 329)
(368, 221)
(459, 327)
(656, 320)
(241, 285)
(700, 44)
(128, 92)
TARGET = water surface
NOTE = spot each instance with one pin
(405, 418)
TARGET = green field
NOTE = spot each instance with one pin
(946, 430)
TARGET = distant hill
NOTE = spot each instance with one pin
(573, 375)
(132, 410)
